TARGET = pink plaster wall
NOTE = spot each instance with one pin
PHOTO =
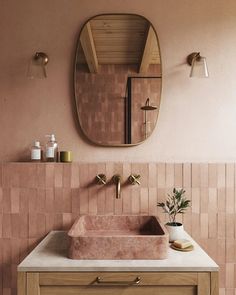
(197, 116)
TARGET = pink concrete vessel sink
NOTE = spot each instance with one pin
(118, 237)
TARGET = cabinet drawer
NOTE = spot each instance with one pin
(118, 278)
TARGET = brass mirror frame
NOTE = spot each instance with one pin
(74, 80)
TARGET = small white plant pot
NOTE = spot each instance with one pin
(176, 231)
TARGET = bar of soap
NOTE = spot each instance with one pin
(182, 244)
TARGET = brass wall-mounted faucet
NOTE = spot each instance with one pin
(116, 179)
(101, 179)
(134, 179)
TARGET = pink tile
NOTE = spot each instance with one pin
(127, 201)
(161, 175)
(170, 182)
(32, 200)
(49, 222)
(41, 175)
(195, 200)
(212, 177)
(221, 199)
(178, 175)
(229, 274)
(28, 175)
(196, 175)
(126, 172)
(75, 201)
(221, 225)
(204, 175)
(83, 198)
(118, 206)
(14, 279)
(187, 175)
(6, 225)
(230, 174)
(24, 200)
(6, 251)
(101, 201)
(144, 201)
(212, 200)
(23, 248)
(14, 174)
(41, 225)
(50, 200)
(92, 200)
(58, 200)
(15, 200)
(212, 217)
(1, 219)
(230, 225)
(204, 225)
(15, 251)
(221, 251)
(75, 181)
(187, 221)
(67, 221)
(58, 221)
(135, 200)
(110, 199)
(6, 177)
(49, 175)
(67, 175)
(204, 200)
(15, 225)
(1, 200)
(230, 200)
(230, 250)
(85, 178)
(6, 200)
(41, 200)
(24, 225)
(33, 225)
(58, 176)
(1, 169)
(152, 175)
(221, 175)
(152, 205)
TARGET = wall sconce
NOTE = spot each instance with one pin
(37, 69)
(198, 65)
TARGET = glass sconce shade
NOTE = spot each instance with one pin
(198, 64)
(36, 68)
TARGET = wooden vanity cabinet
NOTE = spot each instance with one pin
(125, 283)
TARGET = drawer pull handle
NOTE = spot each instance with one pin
(100, 281)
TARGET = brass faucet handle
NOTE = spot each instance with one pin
(116, 178)
(101, 179)
(134, 179)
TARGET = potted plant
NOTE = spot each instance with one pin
(175, 204)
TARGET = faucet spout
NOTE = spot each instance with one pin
(116, 179)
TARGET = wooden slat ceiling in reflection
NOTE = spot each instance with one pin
(118, 39)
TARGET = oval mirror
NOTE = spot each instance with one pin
(117, 79)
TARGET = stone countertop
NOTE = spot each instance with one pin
(51, 255)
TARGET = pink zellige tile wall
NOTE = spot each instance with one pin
(37, 198)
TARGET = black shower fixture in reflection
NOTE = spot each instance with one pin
(148, 106)
(146, 123)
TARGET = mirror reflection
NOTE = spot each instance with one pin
(117, 79)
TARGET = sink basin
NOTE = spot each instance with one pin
(118, 237)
